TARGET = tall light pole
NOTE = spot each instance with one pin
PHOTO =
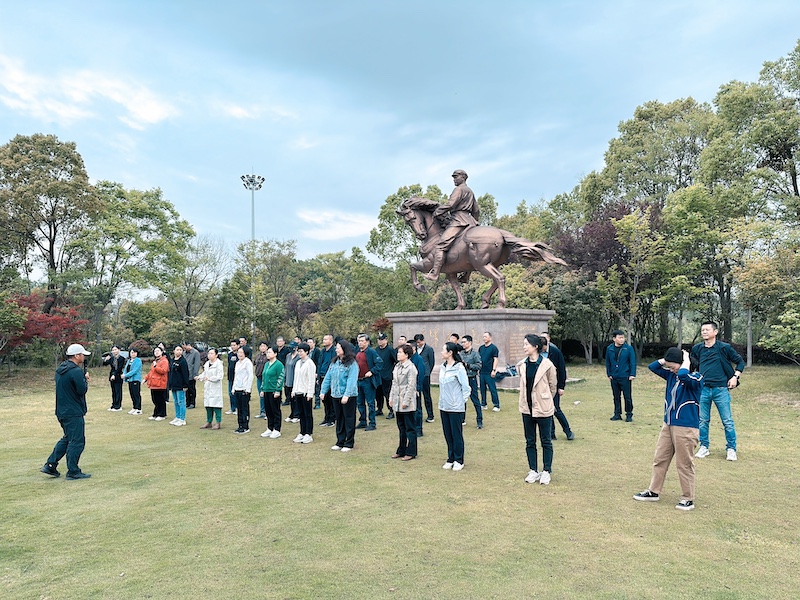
(252, 183)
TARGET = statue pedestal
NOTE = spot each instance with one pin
(508, 327)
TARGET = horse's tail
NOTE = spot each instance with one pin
(530, 250)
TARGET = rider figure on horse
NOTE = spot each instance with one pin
(464, 212)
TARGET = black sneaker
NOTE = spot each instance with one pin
(685, 505)
(361, 426)
(390, 415)
(570, 436)
(646, 496)
(615, 418)
(379, 413)
(369, 428)
(239, 430)
(50, 469)
(429, 420)
(78, 475)
(629, 419)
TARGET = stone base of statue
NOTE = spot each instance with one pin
(508, 327)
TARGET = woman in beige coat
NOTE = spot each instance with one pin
(403, 400)
(537, 387)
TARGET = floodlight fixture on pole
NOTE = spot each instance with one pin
(252, 183)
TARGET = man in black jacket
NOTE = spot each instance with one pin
(429, 358)
(551, 351)
(71, 386)
(389, 357)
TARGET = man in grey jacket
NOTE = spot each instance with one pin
(192, 357)
(472, 363)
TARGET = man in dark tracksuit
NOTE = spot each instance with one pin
(551, 351)
(621, 371)
(71, 386)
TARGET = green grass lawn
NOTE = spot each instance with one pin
(188, 513)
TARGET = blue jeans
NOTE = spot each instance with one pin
(488, 380)
(179, 398)
(262, 404)
(366, 401)
(722, 398)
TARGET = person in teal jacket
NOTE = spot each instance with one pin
(133, 375)
(621, 371)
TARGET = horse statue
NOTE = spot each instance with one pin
(479, 248)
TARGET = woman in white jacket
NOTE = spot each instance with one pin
(454, 392)
(211, 376)
(305, 378)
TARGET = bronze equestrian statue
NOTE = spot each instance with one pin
(460, 246)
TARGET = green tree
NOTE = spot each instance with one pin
(46, 202)
(12, 319)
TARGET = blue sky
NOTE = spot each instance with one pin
(338, 104)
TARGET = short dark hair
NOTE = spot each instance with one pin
(468, 337)
(712, 323)
(617, 332)
(455, 335)
(419, 337)
(303, 346)
(363, 336)
(407, 349)
(235, 342)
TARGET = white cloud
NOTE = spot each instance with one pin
(255, 111)
(335, 225)
(70, 96)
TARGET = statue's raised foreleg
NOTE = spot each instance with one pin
(452, 279)
(415, 268)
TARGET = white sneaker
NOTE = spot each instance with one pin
(532, 477)
(731, 454)
(175, 420)
(544, 478)
(447, 465)
(228, 412)
(267, 433)
(703, 452)
(275, 435)
(457, 466)
(160, 419)
(288, 419)
(335, 447)
(109, 409)
(136, 412)
(346, 449)
(299, 438)
(307, 439)
(152, 418)
(496, 409)
(132, 411)
(295, 420)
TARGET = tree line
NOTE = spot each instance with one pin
(693, 216)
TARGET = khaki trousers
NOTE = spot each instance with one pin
(679, 442)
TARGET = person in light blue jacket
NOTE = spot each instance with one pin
(454, 392)
(342, 382)
(133, 375)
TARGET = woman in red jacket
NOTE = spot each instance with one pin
(156, 380)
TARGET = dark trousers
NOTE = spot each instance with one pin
(231, 396)
(159, 398)
(418, 414)
(191, 393)
(426, 393)
(243, 409)
(116, 393)
(382, 393)
(407, 428)
(559, 414)
(72, 444)
(473, 395)
(272, 404)
(306, 410)
(529, 425)
(327, 403)
(287, 393)
(345, 415)
(622, 387)
(487, 381)
(453, 435)
(135, 390)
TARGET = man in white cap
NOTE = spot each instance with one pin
(71, 386)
